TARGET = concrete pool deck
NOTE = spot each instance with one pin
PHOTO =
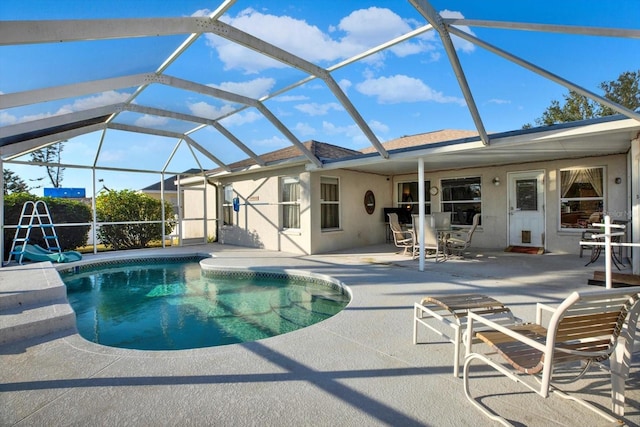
(356, 368)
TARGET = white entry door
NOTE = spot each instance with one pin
(526, 208)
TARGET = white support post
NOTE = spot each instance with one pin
(421, 202)
(607, 251)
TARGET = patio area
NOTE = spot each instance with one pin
(356, 368)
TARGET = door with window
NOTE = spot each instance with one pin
(526, 208)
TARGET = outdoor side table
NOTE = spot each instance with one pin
(451, 311)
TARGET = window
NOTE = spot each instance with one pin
(329, 203)
(463, 198)
(290, 203)
(227, 205)
(581, 197)
(408, 197)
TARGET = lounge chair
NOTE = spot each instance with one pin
(446, 315)
(404, 239)
(584, 328)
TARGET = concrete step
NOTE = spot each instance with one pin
(36, 321)
(16, 299)
(33, 303)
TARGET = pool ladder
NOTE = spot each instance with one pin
(34, 214)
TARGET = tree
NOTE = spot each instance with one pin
(624, 91)
(50, 156)
(13, 183)
(127, 206)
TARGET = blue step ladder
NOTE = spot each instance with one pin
(34, 215)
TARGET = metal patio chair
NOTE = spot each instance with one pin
(403, 239)
(460, 241)
(582, 330)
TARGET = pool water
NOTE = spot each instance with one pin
(173, 306)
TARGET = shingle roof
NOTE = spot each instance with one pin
(169, 183)
(424, 139)
(321, 150)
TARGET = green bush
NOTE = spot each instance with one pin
(128, 205)
(63, 211)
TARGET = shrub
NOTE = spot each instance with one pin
(127, 206)
(62, 211)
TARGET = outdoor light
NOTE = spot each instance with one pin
(496, 181)
(618, 180)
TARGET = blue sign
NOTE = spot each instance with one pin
(65, 193)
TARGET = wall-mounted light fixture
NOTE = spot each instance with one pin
(618, 180)
(496, 181)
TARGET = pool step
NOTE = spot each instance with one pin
(36, 321)
(33, 304)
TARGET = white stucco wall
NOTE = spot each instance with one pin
(257, 223)
(357, 227)
(493, 233)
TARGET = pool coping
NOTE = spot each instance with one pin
(205, 261)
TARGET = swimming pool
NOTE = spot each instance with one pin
(175, 304)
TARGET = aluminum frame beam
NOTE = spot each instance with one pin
(168, 134)
(547, 74)
(434, 18)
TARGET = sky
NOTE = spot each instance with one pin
(407, 89)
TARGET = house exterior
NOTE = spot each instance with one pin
(537, 187)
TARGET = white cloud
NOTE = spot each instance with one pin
(202, 109)
(458, 43)
(367, 28)
(100, 100)
(402, 88)
(7, 119)
(345, 85)
(255, 88)
(290, 98)
(151, 121)
(315, 109)
(105, 98)
(499, 101)
(208, 111)
(353, 132)
(355, 33)
(377, 126)
(239, 119)
(304, 129)
(274, 143)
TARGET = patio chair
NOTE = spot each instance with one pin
(460, 241)
(403, 239)
(442, 220)
(583, 329)
(431, 238)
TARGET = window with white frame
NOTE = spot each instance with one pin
(329, 203)
(462, 197)
(581, 196)
(227, 205)
(290, 203)
(408, 197)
